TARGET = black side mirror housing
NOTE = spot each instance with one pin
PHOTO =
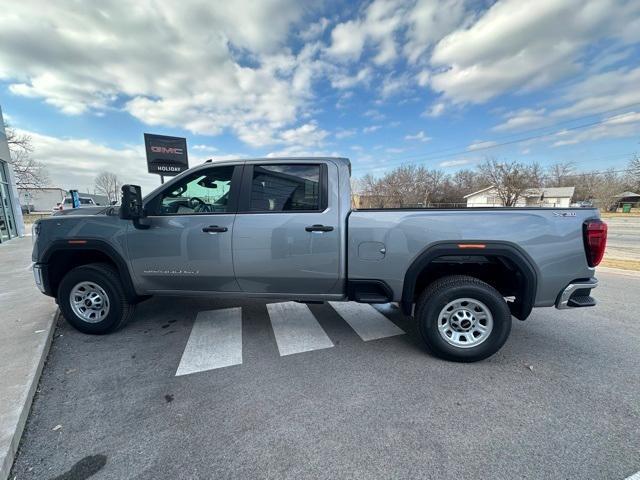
(131, 205)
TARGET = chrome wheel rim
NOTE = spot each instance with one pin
(89, 302)
(465, 323)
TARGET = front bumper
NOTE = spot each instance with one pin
(577, 294)
(37, 276)
(41, 277)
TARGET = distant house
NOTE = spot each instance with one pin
(559, 197)
(627, 197)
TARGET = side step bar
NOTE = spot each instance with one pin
(577, 294)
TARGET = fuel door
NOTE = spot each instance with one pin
(372, 250)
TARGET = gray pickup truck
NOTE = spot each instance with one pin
(285, 229)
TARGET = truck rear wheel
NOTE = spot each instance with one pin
(92, 299)
(463, 319)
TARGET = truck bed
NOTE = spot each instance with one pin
(550, 238)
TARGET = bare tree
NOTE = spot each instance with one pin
(108, 184)
(510, 179)
(561, 175)
(29, 172)
(608, 185)
(462, 183)
(634, 173)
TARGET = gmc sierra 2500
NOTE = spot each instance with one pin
(285, 229)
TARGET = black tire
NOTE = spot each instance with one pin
(106, 277)
(449, 289)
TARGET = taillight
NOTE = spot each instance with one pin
(595, 240)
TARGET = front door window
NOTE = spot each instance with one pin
(201, 193)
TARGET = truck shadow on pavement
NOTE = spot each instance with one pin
(84, 468)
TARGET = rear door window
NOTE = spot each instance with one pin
(284, 187)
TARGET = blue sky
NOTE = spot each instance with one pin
(441, 83)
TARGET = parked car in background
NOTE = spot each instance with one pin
(68, 203)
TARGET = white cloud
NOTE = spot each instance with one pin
(601, 92)
(481, 145)
(524, 45)
(420, 136)
(375, 27)
(347, 41)
(315, 30)
(617, 126)
(589, 97)
(435, 110)
(344, 133)
(394, 85)
(204, 148)
(394, 150)
(342, 80)
(371, 128)
(520, 119)
(456, 163)
(374, 114)
(75, 162)
(428, 21)
(185, 65)
(307, 135)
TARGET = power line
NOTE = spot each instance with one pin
(434, 156)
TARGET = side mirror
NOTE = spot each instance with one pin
(131, 207)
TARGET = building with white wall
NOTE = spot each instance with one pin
(558, 197)
(41, 199)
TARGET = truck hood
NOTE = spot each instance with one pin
(84, 211)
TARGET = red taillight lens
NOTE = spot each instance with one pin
(595, 241)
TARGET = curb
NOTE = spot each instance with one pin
(7, 464)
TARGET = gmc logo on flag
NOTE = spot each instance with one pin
(172, 150)
(166, 155)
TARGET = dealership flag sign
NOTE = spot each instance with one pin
(166, 156)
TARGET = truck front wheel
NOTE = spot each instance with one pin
(463, 319)
(92, 299)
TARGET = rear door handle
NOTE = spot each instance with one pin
(214, 229)
(318, 228)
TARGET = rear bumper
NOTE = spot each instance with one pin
(577, 294)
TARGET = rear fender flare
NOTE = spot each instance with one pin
(506, 250)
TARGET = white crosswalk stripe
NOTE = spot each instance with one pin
(296, 329)
(215, 341)
(367, 322)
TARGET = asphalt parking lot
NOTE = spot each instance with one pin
(560, 400)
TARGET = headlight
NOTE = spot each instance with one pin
(35, 230)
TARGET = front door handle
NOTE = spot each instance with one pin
(318, 228)
(214, 229)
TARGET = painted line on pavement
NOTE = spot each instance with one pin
(215, 341)
(635, 476)
(367, 322)
(296, 329)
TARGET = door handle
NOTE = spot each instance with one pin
(214, 229)
(318, 228)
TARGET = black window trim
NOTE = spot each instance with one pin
(244, 204)
(232, 204)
